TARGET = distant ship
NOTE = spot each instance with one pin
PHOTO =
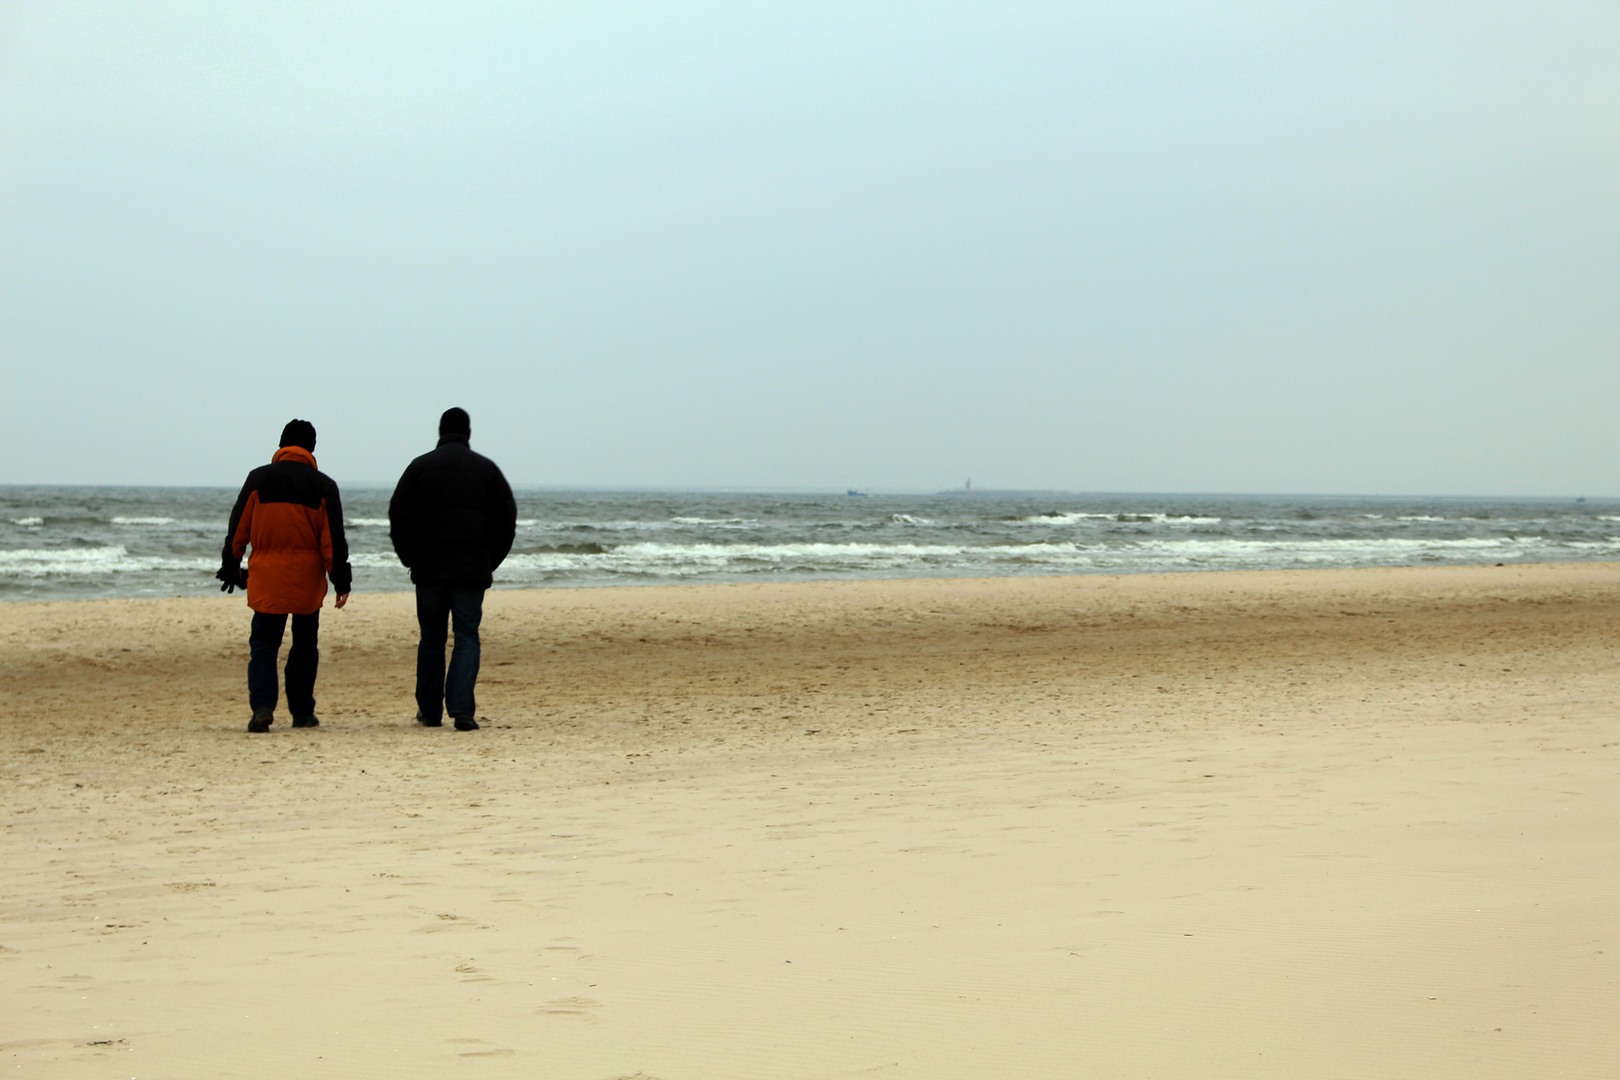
(855, 494)
(965, 489)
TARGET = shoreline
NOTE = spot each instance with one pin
(1273, 824)
(947, 580)
(69, 547)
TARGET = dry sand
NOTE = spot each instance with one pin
(1314, 824)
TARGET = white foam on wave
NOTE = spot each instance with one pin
(364, 522)
(72, 556)
(88, 562)
(28, 522)
(1055, 518)
(634, 524)
(730, 523)
(772, 552)
(1420, 517)
(1337, 548)
(143, 521)
(908, 519)
(687, 559)
(1261, 554)
(1089, 518)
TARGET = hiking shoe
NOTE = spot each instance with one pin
(306, 721)
(427, 723)
(466, 723)
(261, 721)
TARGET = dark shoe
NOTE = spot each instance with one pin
(261, 721)
(306, 721)
(466, 723)
(427, 723)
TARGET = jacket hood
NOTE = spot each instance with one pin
(461, 437)
(294, 453)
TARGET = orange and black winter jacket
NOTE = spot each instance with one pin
(291, 515)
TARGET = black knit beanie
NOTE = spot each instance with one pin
(455, 422)
(299, 433)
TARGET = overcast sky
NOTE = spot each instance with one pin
(1216, 247)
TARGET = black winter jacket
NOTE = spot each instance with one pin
(452, 517)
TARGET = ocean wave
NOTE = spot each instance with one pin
(387, 560)
(143, 521)
(731, 523)
(28, 522)
(587, 548)
(88, 562)
(888, 521)
(688, 560)
(771, 552)
(1341, 548)
(1061, 517)
(1382, 543)
(618, 525)
(1150, 518)
(681, 560)
(373, 523)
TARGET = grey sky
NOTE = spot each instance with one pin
(1304, 247)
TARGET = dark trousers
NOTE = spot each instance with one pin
(437, 692)
(303, 658)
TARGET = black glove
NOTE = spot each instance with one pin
(231, 577)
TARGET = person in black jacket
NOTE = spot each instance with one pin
(452, 520)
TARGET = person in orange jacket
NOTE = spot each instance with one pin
(290, 515)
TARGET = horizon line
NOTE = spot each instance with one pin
(676, 489)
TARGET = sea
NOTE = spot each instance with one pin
(65, 543)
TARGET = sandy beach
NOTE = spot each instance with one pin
(1358, 823)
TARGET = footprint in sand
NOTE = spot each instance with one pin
(570, 1006)
(494, 1051)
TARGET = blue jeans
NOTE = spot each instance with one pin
(303, 658)
(436, 692)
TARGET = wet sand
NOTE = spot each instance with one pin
(1324, 823)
